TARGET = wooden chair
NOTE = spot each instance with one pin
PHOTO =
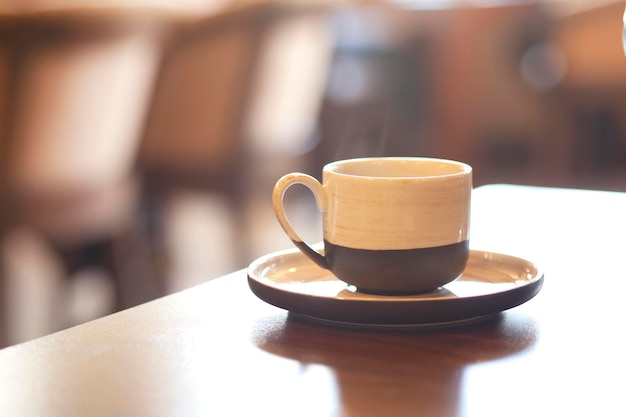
(106, 109)
(75, 87)
(228, 96)
(589, 104)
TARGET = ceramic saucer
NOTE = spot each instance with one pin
(491, 283)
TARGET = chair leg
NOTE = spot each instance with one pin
(126, 258)
(3, 304)
(135, 275)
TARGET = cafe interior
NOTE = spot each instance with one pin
(140, 142)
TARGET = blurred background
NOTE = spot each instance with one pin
(139, 143)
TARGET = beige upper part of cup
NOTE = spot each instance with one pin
(396, 203)
(388, 203)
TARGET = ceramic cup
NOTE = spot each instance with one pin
(391, 225)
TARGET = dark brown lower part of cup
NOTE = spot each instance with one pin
(404, 271)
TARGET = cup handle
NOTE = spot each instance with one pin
(320, 199)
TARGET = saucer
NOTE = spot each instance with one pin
(491, 283)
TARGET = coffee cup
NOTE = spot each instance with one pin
(391, 225)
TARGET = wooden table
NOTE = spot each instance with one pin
(216, 349)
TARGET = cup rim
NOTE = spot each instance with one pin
(333, 167)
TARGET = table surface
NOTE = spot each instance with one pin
(216, 349)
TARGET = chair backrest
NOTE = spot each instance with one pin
(591, 44)
(79, 100)
(231, 88)
(193, 127)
